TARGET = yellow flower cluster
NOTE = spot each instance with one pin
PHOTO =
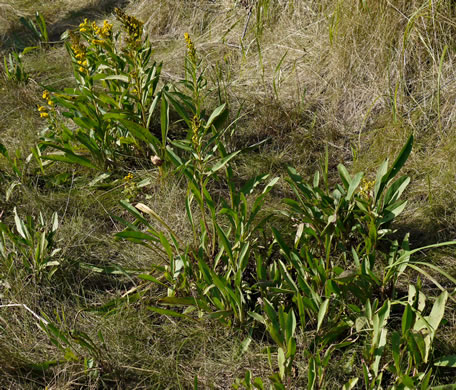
(84, 26)
(195, 130)
(366, 188)
(42, 109)
(105, 31)
(79, 52)
(133, 26)
(190, 48)
(43, 112)
(47, 97)
(128, 177)
(97, 41)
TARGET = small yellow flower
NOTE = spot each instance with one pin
(46, 95)
(84, 26)
(366, 187)
(50, 102)
(42, 108)
(44, 115)
(78, 49)
(190, 48)
(195, 130)
(128, 177)
(106, 30)
(133, 26)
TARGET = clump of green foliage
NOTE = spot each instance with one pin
(338, 270)
(111, 109)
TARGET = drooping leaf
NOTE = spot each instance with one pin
(322, 313)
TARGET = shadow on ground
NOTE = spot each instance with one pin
(18, 37)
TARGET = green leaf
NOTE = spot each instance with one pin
(274, 329)
(135, 236)
(322, 313)
(401, 159)
(354, 185)
(109, 269)
(178, 107)
(249, 186)
(150, 278)
(20, 227)
(379, 350)
(438, 310)
(224, 241)
(408, 319)
(344, 176)
(350, 384)
(446, 361)
(3, 150)
(257, 317)
(425, 381)
(312, 374)
(291, 324)
(42, 25)
(392, 211)
(407, 381)
(258, 383)
(432, 321)
(132, 210)
(281, 242)
(115, 115)
(397, 165)
(164, 121)
(178, 301)
(244, 256)
(141, 133)
(118, 77)
(145, 209)
(396, 350)
(381, 172)
(222, 162)
(281, 362)
(68, 156)
(421, 344)
(395, 190)
(171, 313)
(215, 114)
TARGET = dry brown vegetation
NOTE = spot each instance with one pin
(355, 77)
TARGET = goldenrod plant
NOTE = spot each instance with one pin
(112, 109)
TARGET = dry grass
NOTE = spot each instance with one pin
(307, 75)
